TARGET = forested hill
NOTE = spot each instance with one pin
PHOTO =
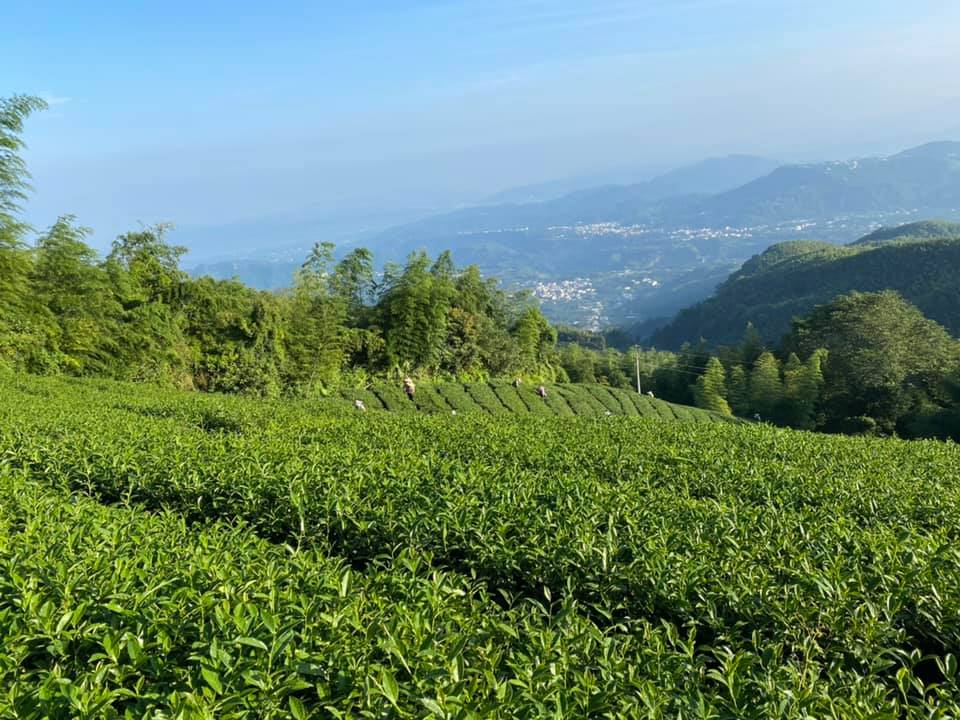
(921, 261)
(923, 230)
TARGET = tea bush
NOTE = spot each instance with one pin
(509, 566)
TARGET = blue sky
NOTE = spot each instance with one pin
(208, 113)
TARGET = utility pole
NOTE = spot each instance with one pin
(639, 391)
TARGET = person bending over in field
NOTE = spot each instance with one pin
(516, 383)
(409, 388)
(359, 405)
(542, 391)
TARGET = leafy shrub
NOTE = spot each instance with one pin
(393, 398)
(610, 403)
(484, 396)
(536, 405)
(369, 398)
(508, 396)
(428, 399)
(458, 398)
(556, 401)
(733, 570)
(582, 401)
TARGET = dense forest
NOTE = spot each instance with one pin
(136, 315)
(862, 363)
(789, 279)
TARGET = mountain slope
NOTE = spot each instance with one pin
(925, 177)
(924, 230)
(471, 231)
(553, 189)
(714, 175)
(736, 191)
(789, 279)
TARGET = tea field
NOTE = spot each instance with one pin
(502, 398)
(189, 556)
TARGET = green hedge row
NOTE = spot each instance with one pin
(484, 396)
(458, 398)
(509, 397)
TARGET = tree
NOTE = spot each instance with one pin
(413, 312)
(145, 274)
(766, 388)
(477, 342)
(68, 282)
(14, 178)
(237, 337)
(536, 340)
(353, 282)
(315, 318)
(15, 261)
(578, 364)
(616, 368)
(884, 358)
(710, 391)
(151, 263)
(751, 346)
(802, 384)
(738, 391)
(137, 316)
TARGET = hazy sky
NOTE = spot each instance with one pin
(212, 112)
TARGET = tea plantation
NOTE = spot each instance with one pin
(502, 398)
(189, 556)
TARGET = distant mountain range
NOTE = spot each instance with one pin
(553, 189)
(920, 260)
(633, 253)
(736, 191)
(926, 177)
(472, 232)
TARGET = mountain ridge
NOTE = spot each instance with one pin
(789, 279)
(634, 253)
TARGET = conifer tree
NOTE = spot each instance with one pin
(811, 387)
(751, 346)
(709, 391)
(796, 405)
(766, 388)
(738, 391)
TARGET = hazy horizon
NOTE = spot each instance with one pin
(233, 112)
